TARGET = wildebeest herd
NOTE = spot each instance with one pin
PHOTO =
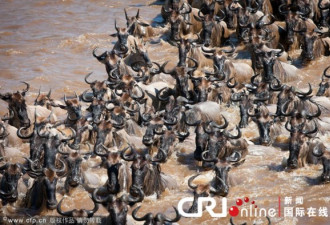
(146, 101)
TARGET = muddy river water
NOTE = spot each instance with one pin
(49, 45)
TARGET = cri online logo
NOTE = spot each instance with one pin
(251, 211)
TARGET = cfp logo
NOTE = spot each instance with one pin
(209, 208)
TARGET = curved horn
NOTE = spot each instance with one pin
(158, 94)
(125, 157)
(213, 50)
(154, 72)
(214, 160)
(253, 115)
(20, 135)
(311, 131)
(171, 123)
(96, 56)
(102, 200)
(277, 87)
(232, 48)
(59, 210)
(229, 83)
(134, 96)
(191, 180)
(90, 213)
(283, 110)
(228, 135)
(85, 98)
(27, 87)
(163, 158)
(10, 116)
(325, 72)
(177, 216)
(162, 68)
(126, 16)
(117, 29)
(317, 114)
(223, 126)
(195, 66)
(281, 10)
(86, 77)
(322, 8)
(235, 157)
(145, 217)
(305, 93)
(288, 128)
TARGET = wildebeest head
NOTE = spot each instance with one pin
(325, 177)
(103, 129)
(98, 110)
(110, 58)
(180, 73)
(99, 88)
(113, 163)
(82, 128)
(156, 126)
(77, 212)
(135, 24)
(44, 100)
(221, 186)
(268, 61)
(141, 51)
(50, 181)
(200, 190)
(54, 140)
(325, 84)
(166, 142)
(291, 13)
(16, 103)
(297, 141)
(219, 58)
(319, 151)
(264, 122)
(308, 47)
(118, 207)
(72, 106)
(184, 47)
(208, 23)
(145, 173)
(158, 219)
(9, 181)
(122, 35)
(286, 94)
(74, 176)
(177, 22)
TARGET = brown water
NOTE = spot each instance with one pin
(49, 44)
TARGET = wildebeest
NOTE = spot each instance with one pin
(119, 174)
(157, 219)
(298, 143)
(16, 103)
(146, 174)
(44, 100)
(325, 158)
(181, 75)
(117, 207)
(265, 122)
(9, 181)
(225, 68)
(42, 194)
(214, 31)
(232, 222)
(325, 84)
(140, 28)
(74, 176)
(77, 212)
